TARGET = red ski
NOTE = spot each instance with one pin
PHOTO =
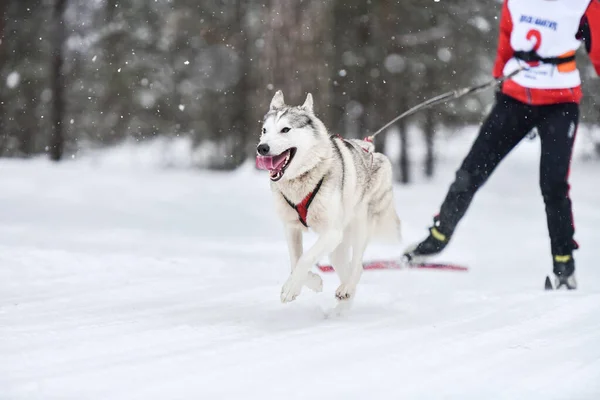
(391, 264)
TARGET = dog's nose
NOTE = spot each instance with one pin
(263, 149)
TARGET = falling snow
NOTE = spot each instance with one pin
(133, 270)
(12, 80)
(395, 63)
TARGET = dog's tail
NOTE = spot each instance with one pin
(386, 225)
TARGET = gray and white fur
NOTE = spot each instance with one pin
(354, 204)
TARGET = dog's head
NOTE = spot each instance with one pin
(293, 139)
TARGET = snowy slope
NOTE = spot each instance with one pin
(130, 282)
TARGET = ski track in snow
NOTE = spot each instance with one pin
(142, 284)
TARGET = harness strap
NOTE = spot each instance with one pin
(302, 208)
(531, 56)
(367, 139)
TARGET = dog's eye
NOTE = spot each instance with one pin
(264, 130)
(285, 130)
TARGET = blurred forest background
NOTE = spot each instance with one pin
(77, 74)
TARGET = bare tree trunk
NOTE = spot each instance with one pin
(429, 123)
(227, 112)
(26, 130)
(394, 77)
(404, 154)
(375, 106)
(363, 97)
(57, 139)
(296, 53)
(3, 58)
(429, 130)
(240, 128)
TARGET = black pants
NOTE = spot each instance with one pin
(506, 125)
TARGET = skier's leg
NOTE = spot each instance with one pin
(557, 130)
(508, 122)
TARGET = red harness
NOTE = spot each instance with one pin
(302, 208)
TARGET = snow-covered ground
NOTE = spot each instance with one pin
(123, 281)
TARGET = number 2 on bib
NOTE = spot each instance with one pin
(534, 34)
(537, 35)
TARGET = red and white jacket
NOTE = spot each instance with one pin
(552, 28)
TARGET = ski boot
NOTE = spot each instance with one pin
(564, 272)
(429, 247)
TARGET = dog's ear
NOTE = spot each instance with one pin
(277, 100)
(308, 103)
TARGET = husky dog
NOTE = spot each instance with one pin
(340, 188)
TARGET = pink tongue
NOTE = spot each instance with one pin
(272, 163)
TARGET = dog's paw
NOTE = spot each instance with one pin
(290, 290)
(314, 282)
(345, 292)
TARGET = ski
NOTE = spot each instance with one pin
(397, 265)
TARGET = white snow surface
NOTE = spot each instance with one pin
(125, 281)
